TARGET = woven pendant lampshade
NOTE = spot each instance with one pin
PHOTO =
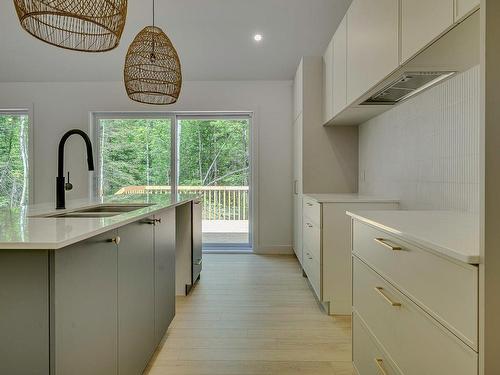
(152, 71)
(81, 25)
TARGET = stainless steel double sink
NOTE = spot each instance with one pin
(100, 211)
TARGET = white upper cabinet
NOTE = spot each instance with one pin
(372, 44)
(339, 68)
(328, 83)
(464, 7)
(422, 21)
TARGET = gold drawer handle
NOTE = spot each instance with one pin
(380, 291)
(380, 365)
(383, 242)
(309, 204)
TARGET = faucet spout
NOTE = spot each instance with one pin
(60, 180)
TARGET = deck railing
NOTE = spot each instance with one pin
(219, 202)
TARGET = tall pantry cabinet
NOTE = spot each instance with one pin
(325, 159)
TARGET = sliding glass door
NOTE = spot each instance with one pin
(160, 153)
(214, 160)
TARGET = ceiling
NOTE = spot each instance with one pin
(214, 39)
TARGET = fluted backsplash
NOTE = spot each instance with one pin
(426, 150)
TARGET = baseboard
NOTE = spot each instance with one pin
(280, 250)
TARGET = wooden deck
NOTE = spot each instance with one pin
(253, 315)
(225, 231)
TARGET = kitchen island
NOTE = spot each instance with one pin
(89, 289)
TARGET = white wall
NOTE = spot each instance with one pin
(59, 107)
(426, 150)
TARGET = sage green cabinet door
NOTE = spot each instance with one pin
(84, 307)
(164, 272)
(24, 312)
(135, 297)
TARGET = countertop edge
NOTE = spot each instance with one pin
(420, 242)
(83, 237)
(363, 199)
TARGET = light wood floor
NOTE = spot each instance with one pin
(253, 315)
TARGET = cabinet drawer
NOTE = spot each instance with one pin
(445, 288)
(312, 239)
(416, 342)
(367, 357)
(313, 271)
(312, 211)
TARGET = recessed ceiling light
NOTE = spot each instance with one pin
(257, 37)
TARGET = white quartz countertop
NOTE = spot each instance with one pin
(349, 198)
(20, 228)
(449, 233)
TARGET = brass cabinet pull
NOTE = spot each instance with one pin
(309, 204)
(309, 225)
(380, 366)
(380, 291)
(116, 240)
(383, 242)
(152, 221)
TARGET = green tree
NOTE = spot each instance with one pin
(138, 152)
(13, 160)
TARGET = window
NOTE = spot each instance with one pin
(160, 153)
(14, 158)
(134, 154)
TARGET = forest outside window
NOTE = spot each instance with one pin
(164, 153)
(14, 158)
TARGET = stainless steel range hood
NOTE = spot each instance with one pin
(407, 85)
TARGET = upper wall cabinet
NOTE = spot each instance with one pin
(421, 22)
(339, 68)
(372, 44)
(464, 7)
(379, 42)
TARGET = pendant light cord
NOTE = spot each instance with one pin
(153, 56)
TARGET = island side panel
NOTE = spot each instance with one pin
(24, 312)
(164, 272)
(84, 311)
(183, 248)
(197, 240)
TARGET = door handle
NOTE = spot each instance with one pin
(116, 240)
(384, 243)
(152, 221)
(380, 366)
(380, 291)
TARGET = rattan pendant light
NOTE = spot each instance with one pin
(152, 72)
(81, 25)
